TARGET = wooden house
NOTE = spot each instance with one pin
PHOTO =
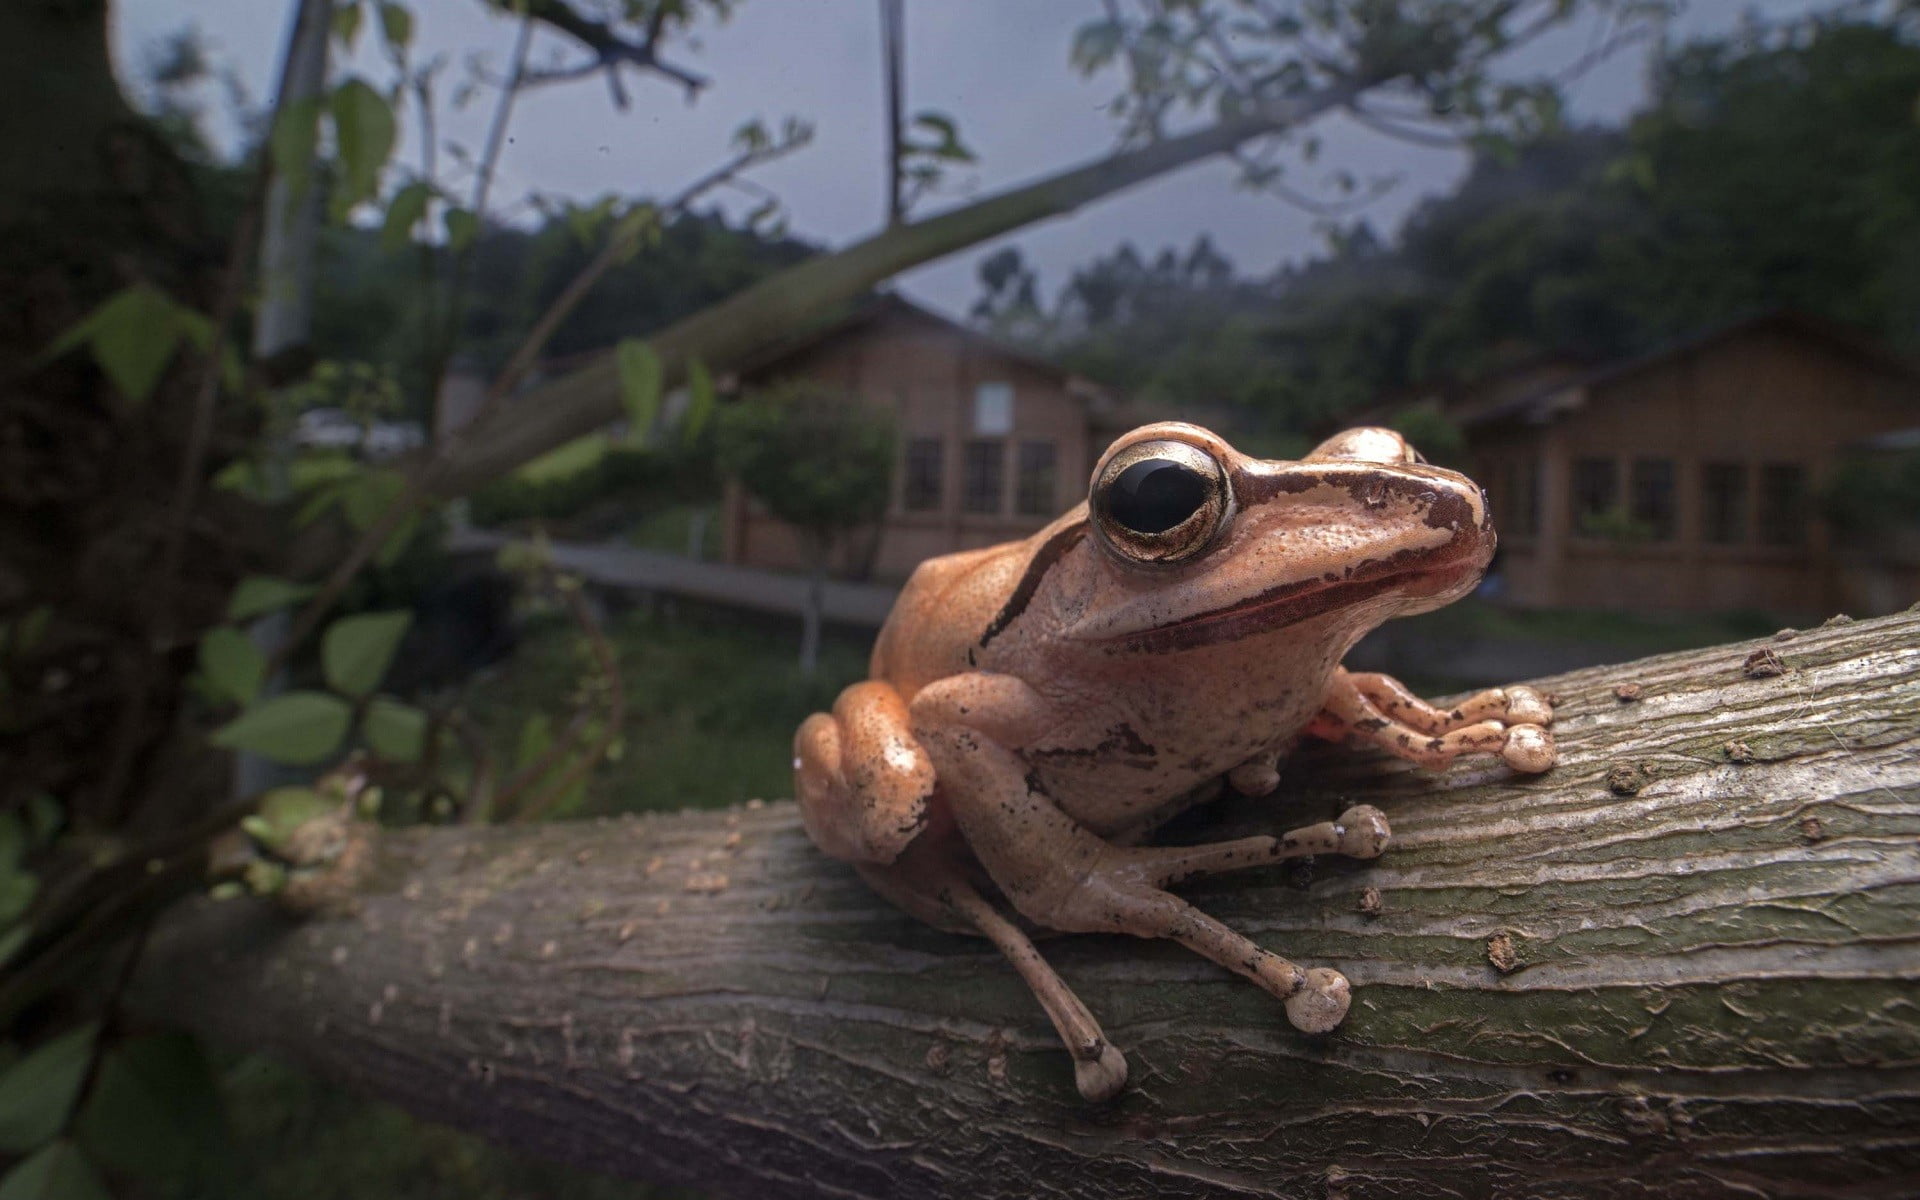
(993, 441)
(1689, 478)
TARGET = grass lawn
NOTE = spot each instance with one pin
(712, 702)
(666, 530)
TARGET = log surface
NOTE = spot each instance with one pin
(1683, 963)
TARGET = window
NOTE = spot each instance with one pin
(1034, 486)
(1783, 516)
(921, 489)
(1653, 507)
(1595, 491)
(984, 468)
(993, 410)
(1723, 503)
(1516, 504)
(1528, 496)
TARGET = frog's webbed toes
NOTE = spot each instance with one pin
(1321, 1003)
(1528, 748)
(1100, 1078)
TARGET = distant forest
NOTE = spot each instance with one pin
(1776, 168)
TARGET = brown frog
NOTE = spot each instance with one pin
(1036, 709)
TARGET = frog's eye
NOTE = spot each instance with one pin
(1160, 501)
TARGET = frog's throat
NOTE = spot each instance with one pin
(1290, 604)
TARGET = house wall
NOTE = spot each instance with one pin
(926, 373)
(1767, 396)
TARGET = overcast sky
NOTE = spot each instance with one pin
(999, 66)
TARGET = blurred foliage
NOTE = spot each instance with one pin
(1779, 166)
(712, 703)
(593, 471)
(819, 459)
(1873, 495)
(368, 305)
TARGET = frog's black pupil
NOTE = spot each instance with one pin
(1155, 494)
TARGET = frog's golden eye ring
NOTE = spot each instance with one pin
(1160, 501)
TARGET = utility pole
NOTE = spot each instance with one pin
(893, 53)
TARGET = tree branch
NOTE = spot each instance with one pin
(1681, 963)
(578, 404)
(610, 50)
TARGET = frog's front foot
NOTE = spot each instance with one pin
(1509, 722)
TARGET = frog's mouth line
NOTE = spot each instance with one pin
(1290, 604)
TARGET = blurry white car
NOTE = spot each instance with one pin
(326, 429)
(333, 429)
(386, 439)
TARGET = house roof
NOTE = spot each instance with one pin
(840, 320)
(1544, 403)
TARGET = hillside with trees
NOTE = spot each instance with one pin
(1776, 168)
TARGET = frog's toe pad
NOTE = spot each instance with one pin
(1527, 707)
(1321, 1003)
(1100, 1079)
(1529, 748)
(1362, 831)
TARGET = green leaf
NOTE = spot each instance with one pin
(232, 664)
(395, 730)
(13, 841)
(297, 728)
(60, 1172)
(396, 23)
(44, 818)
(284, 810)
(363, 127)
(133, 335)
(536, 735)
(11, 943)
(37, 1091)
(356, 651)
(258, 594)
(32, 627)
(699, 400)
(371, 494)
(346, 24)
(462, 228)
(1094, 45)
(398, 541)
(948, 145)
(639, 385)
(154, 1110)
(17, 890)
(406, 210)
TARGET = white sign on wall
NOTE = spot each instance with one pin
(993, 410)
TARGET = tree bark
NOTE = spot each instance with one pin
(1682, 963)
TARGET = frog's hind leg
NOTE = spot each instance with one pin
(864, 785)
(927, 882)
(1380, 710)
(1062, 875)
(1359, 832)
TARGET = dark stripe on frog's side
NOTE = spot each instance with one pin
(1049, 553)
